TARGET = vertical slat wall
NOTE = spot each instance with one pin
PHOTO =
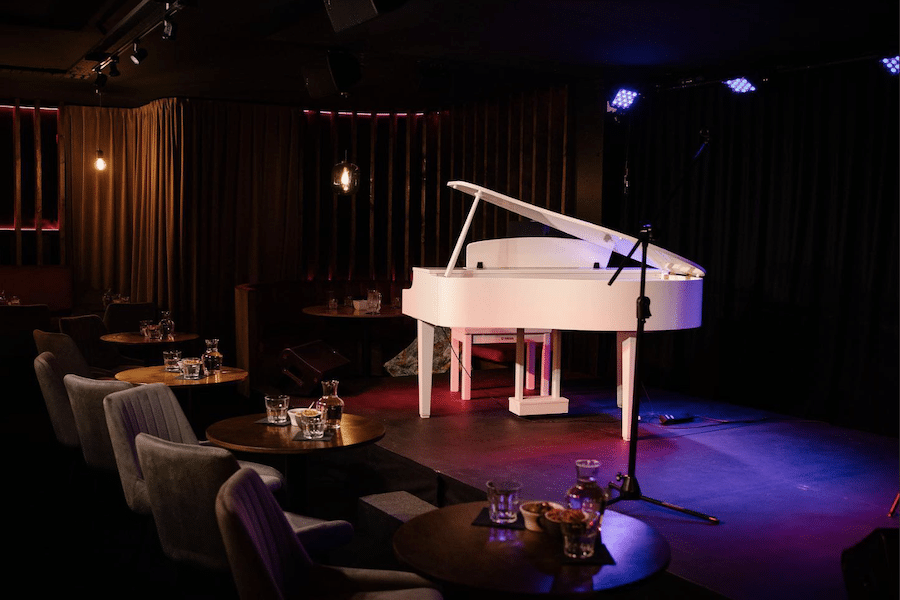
(61, 199)
(17, 180)
(404, 215)
(33, 193)
(38, 185)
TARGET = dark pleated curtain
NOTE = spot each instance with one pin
(122, 221)
(793, 210)
(203, 195)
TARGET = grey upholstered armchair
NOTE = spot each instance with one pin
(155, 410)
(183, 481)
(269, 562)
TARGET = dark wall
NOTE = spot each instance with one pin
(793, 210)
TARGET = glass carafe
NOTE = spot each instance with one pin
(166, 325)
(331, 404)
(586, 494)
(212, 358)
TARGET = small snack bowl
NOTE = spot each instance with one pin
(294, 416)
(550, 520)
(532, 511)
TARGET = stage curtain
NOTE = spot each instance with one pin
(793, 210)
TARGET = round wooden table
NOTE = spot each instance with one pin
(365, 320)
(158, 374)
(136, 338)
(445, 546)
(247, 434)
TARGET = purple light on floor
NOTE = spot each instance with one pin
(892, 64)
(624, 98)
(740, 85)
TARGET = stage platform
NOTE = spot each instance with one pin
(791, 495)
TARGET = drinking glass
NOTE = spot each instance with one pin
(374, 302)
(579, 529)
(191, 368)
(503, 497)
(171, 359)
(145, 331)
(312, 423)
(276, 409)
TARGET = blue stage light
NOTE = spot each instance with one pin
(892, 64)
(740, 85)
(624, 98)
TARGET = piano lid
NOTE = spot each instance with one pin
(596, 234)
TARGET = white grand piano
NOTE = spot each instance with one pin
(550, 283)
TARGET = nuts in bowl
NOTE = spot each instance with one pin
(534, 509)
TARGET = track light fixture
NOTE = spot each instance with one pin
(100, 81)
(169, 28)
(114, 67)
(139, 54)
(892, 64)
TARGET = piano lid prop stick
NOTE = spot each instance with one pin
(462, 236)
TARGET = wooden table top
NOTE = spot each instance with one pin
(136, 338)
(345, 312)
(246, 434)
(158, 374)
(444, 545)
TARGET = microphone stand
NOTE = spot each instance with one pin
(629, 488)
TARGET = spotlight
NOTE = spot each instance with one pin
(740, 85)
(892, 64)
(624, 99)
(169, 28)
(100, 163)
(139, 53)
(100, 81)
(114, 67)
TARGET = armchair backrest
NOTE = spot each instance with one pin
(152, 409)
(267, 560)
(50, 379)
(86, 397)
(183, 481)
(64, 348)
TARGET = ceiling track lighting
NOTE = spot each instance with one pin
(138, 54)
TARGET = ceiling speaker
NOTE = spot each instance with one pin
(349, 13)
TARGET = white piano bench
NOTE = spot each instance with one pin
(462, 341)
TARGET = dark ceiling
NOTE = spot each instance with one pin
(417, 53)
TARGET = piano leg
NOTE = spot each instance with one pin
(546, 345)
(625, 340)
(425, 348)
(553, 404)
